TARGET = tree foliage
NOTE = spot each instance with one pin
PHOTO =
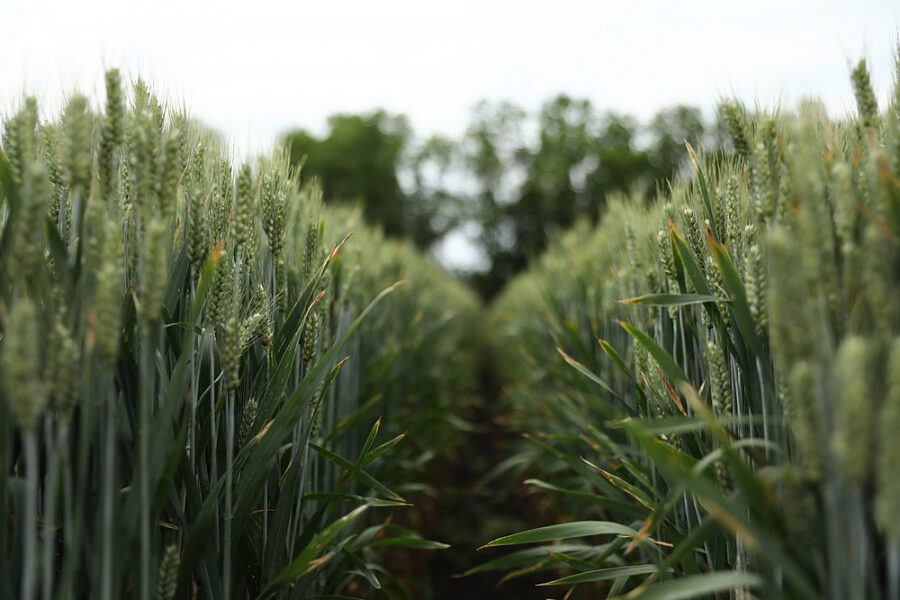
(358, 161)
(515, 180)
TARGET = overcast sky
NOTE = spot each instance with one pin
(254, 69)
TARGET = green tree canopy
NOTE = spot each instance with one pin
(358, 161)
(577, 161)
(517, 181)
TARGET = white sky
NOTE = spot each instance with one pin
(255, 69)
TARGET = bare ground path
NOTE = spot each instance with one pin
(467, 514)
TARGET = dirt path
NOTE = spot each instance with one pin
(466, 514)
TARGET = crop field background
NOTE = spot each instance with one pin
(670, 371)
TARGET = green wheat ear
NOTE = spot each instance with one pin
(221, 295)
(167, 579)
(853, 441)
(111, 136)
(198, 242)
(310, 336)
(248, 417)
(229, 342)
(12, 146)
(108, 294)
(29, 243)
(51, 157)
(153, 270)
(77, 145)
(172, 170)
(865, 97)
(310, 254)
(762, 174)
(245, 214)
(22, 364)
(732, 115)
(272, 203)
(721, 380)
(221, 200)
(755, 284)
(63, 368)
(887, 502)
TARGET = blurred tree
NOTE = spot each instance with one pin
(516, 191)
(553, 190)
(620, 166)
(358, 161)
(433, 209)
(580, 159)
(669, 129)
(494, 151)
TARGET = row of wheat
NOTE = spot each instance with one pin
(178, 419)
(712, 381)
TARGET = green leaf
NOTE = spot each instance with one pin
(695, 586)
(354, 416)
(411, 542)
(671, 369)
(732, 511)
(689, 261)
(10, 190)
(608, 503)
(748, 480)
(356, 472)
(693, 541)
(530, 556)
(682, 425)
(371, 455)
(603, 574)
(300, 565)
(56, 246)
(577, 465)
(253, 459)
(585, 371)
(615, 357)
(704, 189)
(573, 561)
(630, 489)
(731, 280)
(355, 499)
(564, 531)
(672, 299)
(362, 568)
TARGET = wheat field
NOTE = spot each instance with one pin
(215, 386)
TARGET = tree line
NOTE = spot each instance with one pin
(513, 180)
